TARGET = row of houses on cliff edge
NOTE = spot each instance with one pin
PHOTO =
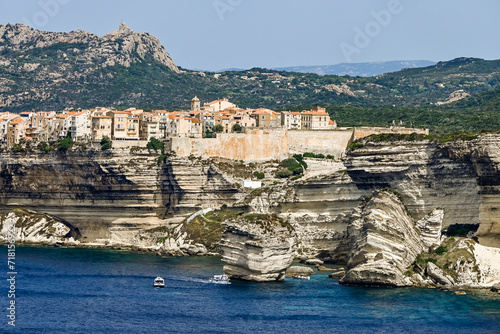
(137, 124)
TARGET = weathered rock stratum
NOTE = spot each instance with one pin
(125, 198)
(112, 196)
(257, 248)
(462, 178)
(33, 228)
(383, 241)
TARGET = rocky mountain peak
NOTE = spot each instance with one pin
(124, 27)
(120, 47)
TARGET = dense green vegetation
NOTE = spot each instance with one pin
(155, 144)
(472, 114)
(461, 230)
(259, 175)
(292, 167)
(441, 250)
(406, 97)
(317, 155)
(106, 143)
(237, 128)
(44, 147)
(218, 128)
(64, 144)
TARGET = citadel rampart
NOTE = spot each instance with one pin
(252, 145)
(262, 144)
(265, 144)
(333, 142)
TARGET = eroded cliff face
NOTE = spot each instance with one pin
(29, 227)
(111, 195)
(462, 178)
(115, 196)
(257, 248)
(383, 240)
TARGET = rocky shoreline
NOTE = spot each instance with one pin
(261, 247)
(394, 214)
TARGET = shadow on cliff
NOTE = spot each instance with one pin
(169, 192)
(74, 232)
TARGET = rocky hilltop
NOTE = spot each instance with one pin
(58, 69)
(123, 47)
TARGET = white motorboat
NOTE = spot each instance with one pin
(301, 277)
(159, 282)
(220, 279)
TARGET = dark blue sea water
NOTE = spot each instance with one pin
(98, 291)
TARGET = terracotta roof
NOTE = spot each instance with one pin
(16, 121)
(63, 116)
(80, 113)
(214, 102)
(262, 111)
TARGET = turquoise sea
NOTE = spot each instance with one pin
(65, 290)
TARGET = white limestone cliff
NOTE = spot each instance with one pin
(383, 242)
(257, 248)
(33, 228)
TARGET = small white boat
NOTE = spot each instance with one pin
(159, 282)
(301, 277)
(220, 279)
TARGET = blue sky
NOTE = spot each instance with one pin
(217, 34)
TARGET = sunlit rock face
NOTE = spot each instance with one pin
(111, 195)
(257, 248)
(383, 242)
(463, 178)
(120, 194)
(119, 47)
(24, 226)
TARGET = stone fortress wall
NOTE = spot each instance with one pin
(265, 144)
(252, 145)
(333, 142)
